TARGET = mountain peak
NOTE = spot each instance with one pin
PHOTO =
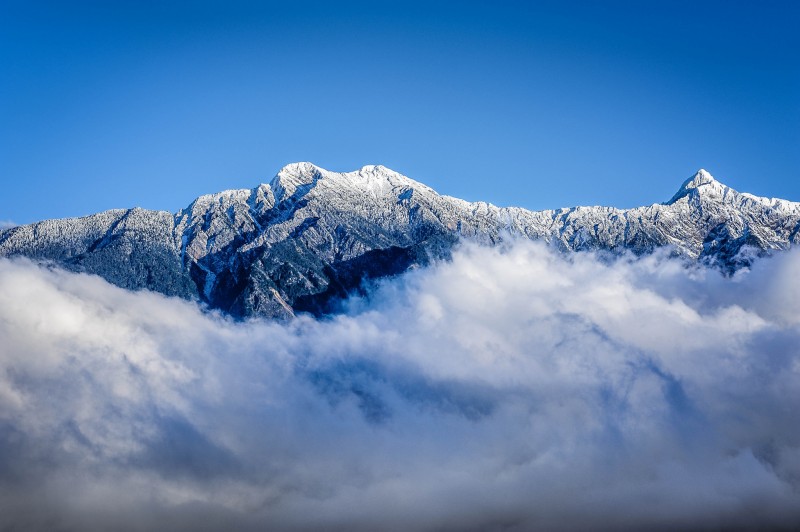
(700, 179)
(374, 168)
(294, 175)
(310, 169)
(301, 168)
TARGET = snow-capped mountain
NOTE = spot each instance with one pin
(310, 236)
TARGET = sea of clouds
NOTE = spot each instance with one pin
(512, 388)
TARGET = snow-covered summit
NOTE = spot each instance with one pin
(298, 179)
(310, 235)
(292, 176)
(701, 179)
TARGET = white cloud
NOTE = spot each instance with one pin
(511, 388)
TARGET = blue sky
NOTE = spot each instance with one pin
(537, 104)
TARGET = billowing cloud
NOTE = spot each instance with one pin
(511, 388)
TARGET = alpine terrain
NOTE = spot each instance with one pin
(310, 236)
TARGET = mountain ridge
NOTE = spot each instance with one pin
(311, 236)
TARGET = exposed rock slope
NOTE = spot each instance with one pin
(310, 236)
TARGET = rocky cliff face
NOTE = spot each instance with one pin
(311, 236)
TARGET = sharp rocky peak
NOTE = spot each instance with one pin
(702, 177)
(699, 181)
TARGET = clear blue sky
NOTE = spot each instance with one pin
(537, 104)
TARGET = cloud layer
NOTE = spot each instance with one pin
(511, 388)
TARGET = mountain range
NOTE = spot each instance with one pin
(309, 237)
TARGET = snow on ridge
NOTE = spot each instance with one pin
(259, 251)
